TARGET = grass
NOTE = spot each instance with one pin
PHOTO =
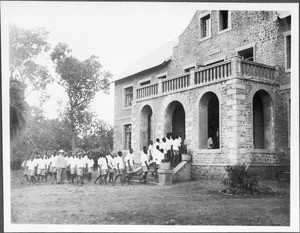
(189, 203)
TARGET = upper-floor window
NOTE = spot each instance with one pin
(246, 54)
(205, 26)
(223, 20)
(128, 96)
(288, 52)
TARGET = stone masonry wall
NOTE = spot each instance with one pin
(235, 94)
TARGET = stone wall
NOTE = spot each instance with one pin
(235, 94)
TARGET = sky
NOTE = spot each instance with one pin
(119, 33)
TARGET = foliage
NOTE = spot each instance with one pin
(18, 108)
(40, 134)
(97, 138)
(81, 81)
(241, 179)
(25, 46)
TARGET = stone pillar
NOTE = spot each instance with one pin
(236, 129)
(159, 86)
(236, 66)
(277, 74)
(192, 78)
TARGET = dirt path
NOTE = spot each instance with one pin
(190, 203)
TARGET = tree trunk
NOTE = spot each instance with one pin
(73, 140)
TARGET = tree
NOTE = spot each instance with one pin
(41, 134)
(81, 81)
(26, 75)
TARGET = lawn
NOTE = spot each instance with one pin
(189, 203)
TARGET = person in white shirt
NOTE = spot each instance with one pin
(120, 168)
(150, 149)
(53, 167)
(73, 163)
(61, 166)
(169, 144)
(81, 164)
(129, 162)
(41, 168)
(159, 156)
(25, 171)
(145, 166)
(99, 169)
(31, 168)
(111, 167)
(90, 164)
(176, 146)
(163, 145)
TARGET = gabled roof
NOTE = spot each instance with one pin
(153, 59)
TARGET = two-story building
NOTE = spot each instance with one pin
(226, 76)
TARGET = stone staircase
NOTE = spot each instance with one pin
(150, 179)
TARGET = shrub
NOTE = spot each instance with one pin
(241, 179)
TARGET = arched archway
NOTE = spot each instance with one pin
(175, 119)
(145, 126)
(209, 123)
(262, 120)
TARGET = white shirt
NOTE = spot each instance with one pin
(54, 161)
(111, 161)
(151, 149)
(129, 158)
(31, 164)
(73, 162)
(41, 163)
(119, 160)
(144, 158)
(163, 145)
(81, 163)
(90, 162)
(159, 157)
(168, 144)
(176, 144)
(102, 163)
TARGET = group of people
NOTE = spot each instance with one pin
(63, 167)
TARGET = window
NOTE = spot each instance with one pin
(128, 96)
(187, 70)
(127, 133)
(145, 83)
(246, 54)
(288, 52)
(223, 20)
(189, 67)
(205, 26)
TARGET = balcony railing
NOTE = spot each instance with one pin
(257, 70)
(147, 91)
(176, 83)
(204, 76)
(214, 72)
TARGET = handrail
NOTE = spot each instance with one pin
(176, 83)
(213, 72)
(147, 90)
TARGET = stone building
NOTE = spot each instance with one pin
(226, 76)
